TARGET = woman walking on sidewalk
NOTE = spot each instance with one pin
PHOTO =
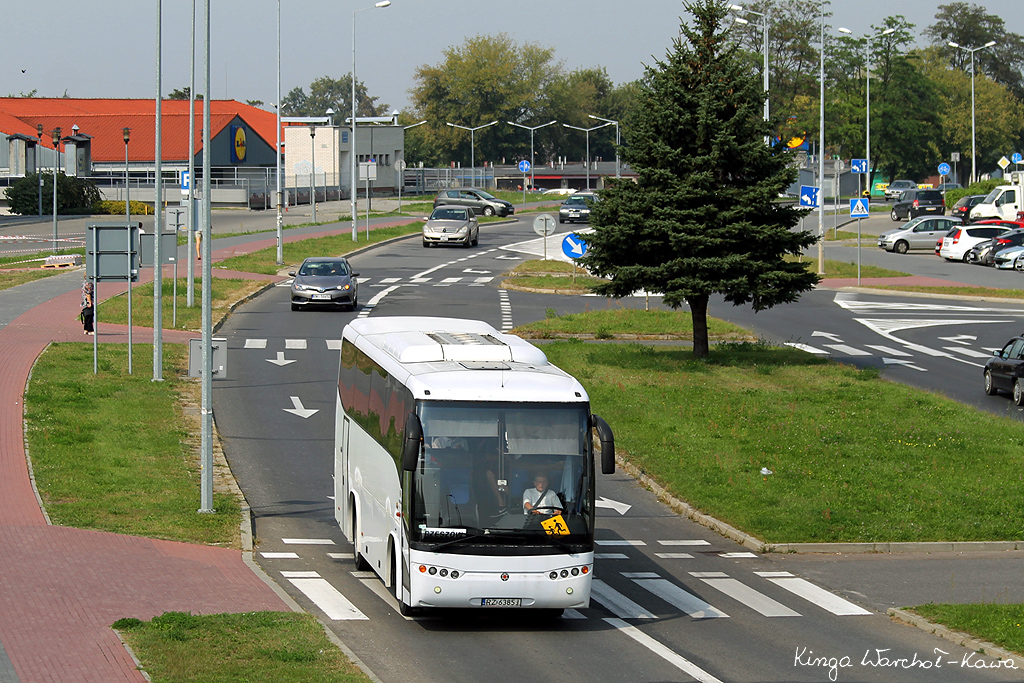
(88, 302)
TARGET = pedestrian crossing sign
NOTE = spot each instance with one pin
(859, 208)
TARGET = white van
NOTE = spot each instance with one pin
(1003, 202)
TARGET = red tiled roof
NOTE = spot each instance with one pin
(103, 119)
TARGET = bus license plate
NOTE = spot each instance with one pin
(321, 297)
(501, 602)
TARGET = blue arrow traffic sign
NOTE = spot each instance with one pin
(1016, 158)
(859, 165)
(574, 246)
(524, 166)
(859, 208)
(808, 195)
(944, 168)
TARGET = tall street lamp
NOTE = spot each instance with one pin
(56, 166)
(617, 170)
(472, 144)
(312, 170)
(352, 135)
(974, 155)
(39, 175)
(126, 133)
(587, 131)
(277, 149)
(821, 148)
(531, 129)
(764, 43)
(867, 66)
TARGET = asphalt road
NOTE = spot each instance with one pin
(675, 601)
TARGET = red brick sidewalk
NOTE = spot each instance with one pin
(910, 281)
(61, 588)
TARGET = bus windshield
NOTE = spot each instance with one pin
(503, 472)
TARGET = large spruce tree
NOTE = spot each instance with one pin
(702, 217)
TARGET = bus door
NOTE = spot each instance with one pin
(342, 484)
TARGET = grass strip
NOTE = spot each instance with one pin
(842, 269)
(284, 647)
(959, 291)
(223, 293)
(111, 451)
(605, 324)
(13, 278)
(853, 457)
(1001, 625)
(264, 260)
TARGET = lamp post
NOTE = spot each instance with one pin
(974, 155)
(587, 131)
(39, 176)
(352, 136)
(126, 134)
(56, 166)
(617, 173)
(277, 148)
(472, 143)
(867, 66)
(764, 43)
(334, 156)
(158, 226)
(821, 148)
(312, 170)
(531, 129)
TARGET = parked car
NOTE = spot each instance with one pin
(964, 205)
(482, 203)
(1009, 258)
(565, 191)
(914, 203)
(1005, 201)
(957, 244)
(920, 233)
(451, 225)
(896, 187)
(1004, 371)
(984, 253)
(576, 208)
(949, 187)
(324, 281)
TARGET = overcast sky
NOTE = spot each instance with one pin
(107, 48)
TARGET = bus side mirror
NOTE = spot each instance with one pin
(604, 434)
(411, 444)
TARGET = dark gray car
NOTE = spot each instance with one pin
(324, 281)
(914, 203)
(482, 203)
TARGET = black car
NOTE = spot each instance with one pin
(914, 203)
(324, 281)
(984, 254)
(576, 208)
(964, 205)
(482, 203)
(1004, 371)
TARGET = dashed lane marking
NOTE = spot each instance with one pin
(280, 556)
(307, 541)
(685, 542)
(755, 600)
(674, 556)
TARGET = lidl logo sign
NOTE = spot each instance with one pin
(238, 144)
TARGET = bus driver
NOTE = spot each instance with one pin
(540, 496)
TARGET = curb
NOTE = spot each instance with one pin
(957, 637)
(753, 543)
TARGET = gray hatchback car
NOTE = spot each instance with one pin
(482, 203)
(921, 233)
(324, 281)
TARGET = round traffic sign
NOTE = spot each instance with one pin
(574, 246)
(1016, 158)
(544, 224)
(524, 166)
(944, 168)
(400, 165)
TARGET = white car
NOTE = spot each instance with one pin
(565, 191)
(1010, 258)
(957, 244)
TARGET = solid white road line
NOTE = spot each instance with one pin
(813, 594)
(369, 305)
(280, 556)
(693, 542)
(325, 596)
(617, 603)
(680, 599)
(307, 541)
(680, 662)
(970, 353)
(617, 542)
(737, 555)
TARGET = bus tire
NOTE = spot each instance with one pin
(396, 589)
(361, 564)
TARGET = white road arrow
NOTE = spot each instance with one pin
(477, 272)
(828, 335)
(960, 339)
(280, 360)
(897, 361)
(621, 508)
(299, 410)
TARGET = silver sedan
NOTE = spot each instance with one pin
(451, 225)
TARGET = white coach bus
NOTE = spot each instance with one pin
(464, 466)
